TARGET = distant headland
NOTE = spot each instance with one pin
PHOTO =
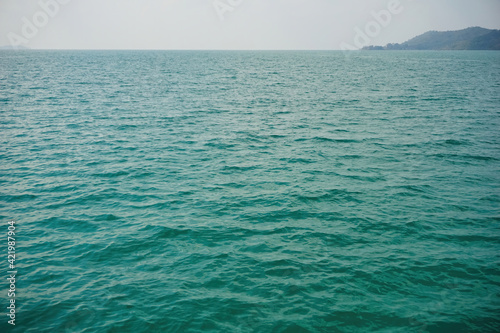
(474, 38)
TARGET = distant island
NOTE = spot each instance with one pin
(475, 38)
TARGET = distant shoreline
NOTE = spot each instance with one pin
(194, 50)
(470, 39)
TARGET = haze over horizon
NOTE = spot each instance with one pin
(231, 24)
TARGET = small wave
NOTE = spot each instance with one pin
(298, 160)
(351, 157)
(325, 139)
(111, 174)
(464, 157)
(106, 217)
(18, 198)
(233, 168)
(453, 142)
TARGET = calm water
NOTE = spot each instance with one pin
(252, 191)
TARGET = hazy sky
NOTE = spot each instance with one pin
(231, 24)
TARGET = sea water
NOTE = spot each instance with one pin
(190, 191)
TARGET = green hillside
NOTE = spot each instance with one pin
(474, 38)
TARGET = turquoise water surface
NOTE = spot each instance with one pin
(251, 191)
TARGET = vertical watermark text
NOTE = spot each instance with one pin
(11, 260)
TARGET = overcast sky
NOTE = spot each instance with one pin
(232, 24)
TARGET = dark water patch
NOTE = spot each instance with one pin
(106, 217)
(17, 198)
